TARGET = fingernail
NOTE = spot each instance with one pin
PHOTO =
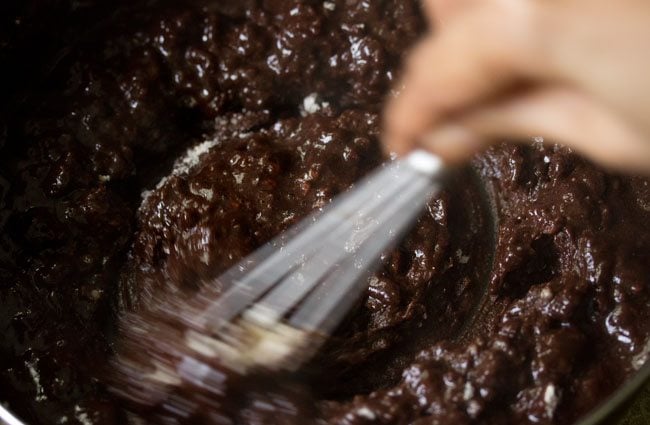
(455, 143)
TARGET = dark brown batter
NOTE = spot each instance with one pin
(521, 296)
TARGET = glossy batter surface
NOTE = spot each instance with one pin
(151, 146)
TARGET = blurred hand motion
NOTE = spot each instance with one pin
(573, 71)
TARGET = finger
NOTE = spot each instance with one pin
(470, 61)
(560, 114)
(444, 10)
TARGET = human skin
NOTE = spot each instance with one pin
(572, 71)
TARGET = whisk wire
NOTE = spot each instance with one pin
(340, 243)
(303, 283)
(331, 300)
(258, 273)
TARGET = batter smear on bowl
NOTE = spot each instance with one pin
(160, 144)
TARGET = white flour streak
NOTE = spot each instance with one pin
(184, 165)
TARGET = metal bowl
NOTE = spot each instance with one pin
(624, 406)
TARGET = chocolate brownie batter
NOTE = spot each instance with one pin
(147, 146)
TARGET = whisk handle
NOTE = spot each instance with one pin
(425, 162)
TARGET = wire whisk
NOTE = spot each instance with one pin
(282, 302)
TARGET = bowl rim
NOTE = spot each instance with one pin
(622, 394)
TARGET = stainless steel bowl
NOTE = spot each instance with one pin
(612, 409)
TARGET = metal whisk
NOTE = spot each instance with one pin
(280, 303)
(289, 295)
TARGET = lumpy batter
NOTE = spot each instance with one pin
(151, 145)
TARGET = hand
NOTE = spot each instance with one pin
(573, 71)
